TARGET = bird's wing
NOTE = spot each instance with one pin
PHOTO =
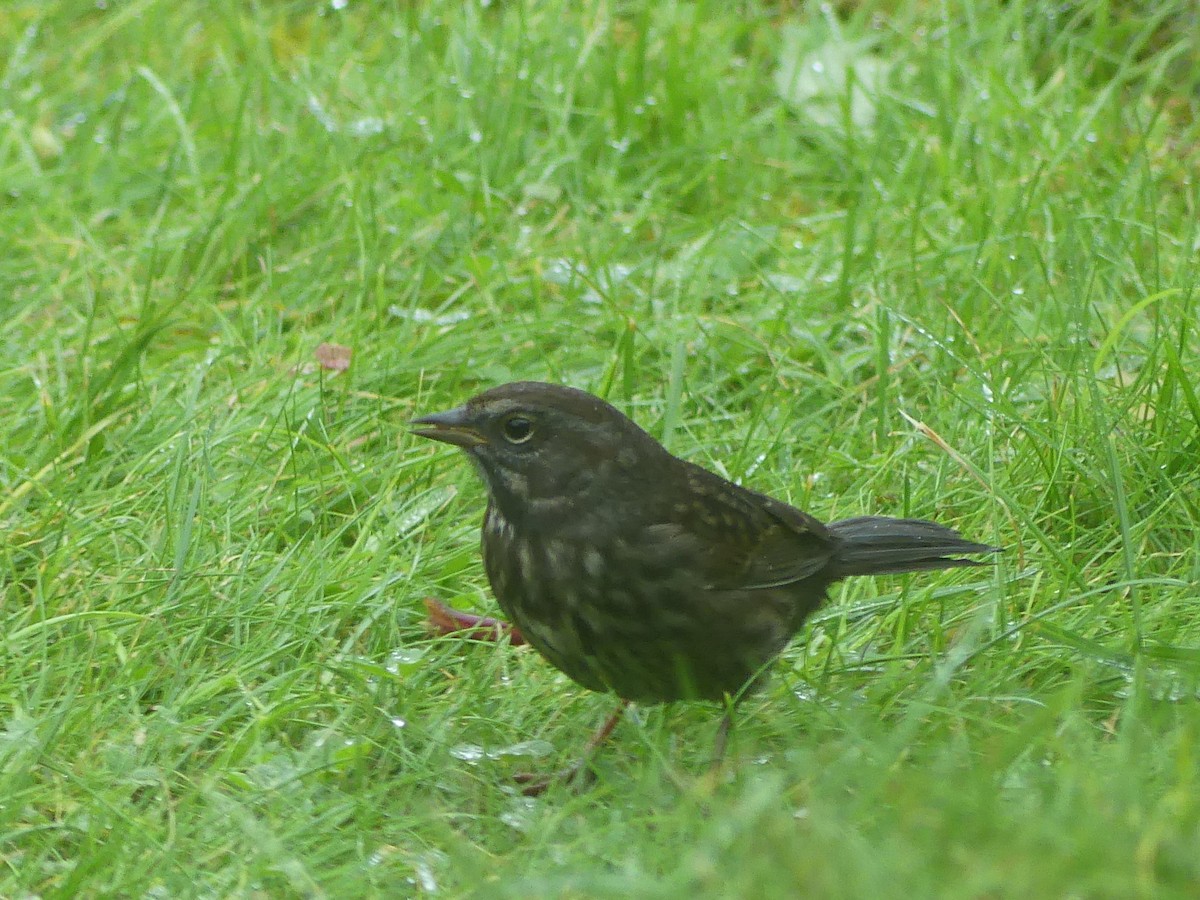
(796, 547)
(748, 540)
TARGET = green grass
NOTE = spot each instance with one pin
(969, 292)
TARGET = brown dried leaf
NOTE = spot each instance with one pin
(333, 356)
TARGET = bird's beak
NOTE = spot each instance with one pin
(451, 427)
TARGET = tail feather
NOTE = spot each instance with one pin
(876, 545)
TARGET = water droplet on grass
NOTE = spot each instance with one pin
(473, 753)
(403, 658)
(470, 753)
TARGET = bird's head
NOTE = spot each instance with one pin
(543, 445)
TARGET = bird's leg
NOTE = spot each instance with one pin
(708, 783)
(721, 741)
(580, 772)
(444, 619)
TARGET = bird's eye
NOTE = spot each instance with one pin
(517, 429)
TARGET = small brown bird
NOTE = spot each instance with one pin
(639, 573)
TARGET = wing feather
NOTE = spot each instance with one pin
(746, 540)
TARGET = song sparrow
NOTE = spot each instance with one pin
(645, 575)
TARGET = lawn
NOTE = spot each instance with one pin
(895, 257)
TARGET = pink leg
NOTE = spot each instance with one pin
(580, 772)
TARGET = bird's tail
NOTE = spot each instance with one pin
(875, 545)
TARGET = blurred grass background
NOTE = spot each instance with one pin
(881, 257)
